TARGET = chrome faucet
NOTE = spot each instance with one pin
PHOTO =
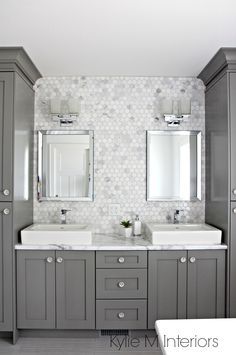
(177, 216)
(63, 215)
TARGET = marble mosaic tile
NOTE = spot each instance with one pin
(119, 110)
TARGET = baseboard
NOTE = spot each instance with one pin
(6, 335)
(55, 333)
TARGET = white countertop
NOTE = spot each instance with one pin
(117, 242)
(176, 336)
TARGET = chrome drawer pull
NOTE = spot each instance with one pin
(182, 260)
(234, 191)
(121, 315)
(121, 284)
(192, 259)
(234, 210)
(49, 259)
(6, 211)
(59, 260)
(121, 260)
(6, 192)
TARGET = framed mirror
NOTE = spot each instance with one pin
(65, 165)
(173, 165)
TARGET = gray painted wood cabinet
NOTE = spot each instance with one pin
(55, 290)
(36, 289)
(121, 259)
(75, 290)
(206, 284)
(219, 76)
(121, 283)
(17, 77)
(121, 289)
(6, 278)
(166, 285)
(6, 131)
(121, 314)
(186, 285)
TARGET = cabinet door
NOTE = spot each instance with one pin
(232, 263)
(167, 285)
(35, 289)
(75, 290)
(6, 254)
(6, 136)
(232, 100)
(206, 284)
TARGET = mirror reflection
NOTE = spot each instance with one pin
(65, 165)
(173, 165)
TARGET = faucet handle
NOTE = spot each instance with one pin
(178, 215)
(178, 211)
(64, 210)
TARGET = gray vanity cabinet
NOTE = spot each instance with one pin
(55, 290)
(5, 266)
(167, 285)
(186, 285)
(206, 284)
(36, 289)
(75, 290)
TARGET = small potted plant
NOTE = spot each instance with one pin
(127, 228)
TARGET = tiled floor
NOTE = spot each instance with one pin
(94, 346)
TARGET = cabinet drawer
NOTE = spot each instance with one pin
(121, 259)
(126, 283)
(126, 314)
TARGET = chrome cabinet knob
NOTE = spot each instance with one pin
(121, 260)
(182, 260)
(6, 211)
(121, 315)
(234, 191)
(59, 260)
(49, 259)
(234, 210)
(121, 284)
(192, 259)
(6, 192)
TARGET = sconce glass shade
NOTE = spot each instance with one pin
(74, 106)
(167, 107)
(55, 106)
(185, 106)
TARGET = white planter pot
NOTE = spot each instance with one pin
(127, 232)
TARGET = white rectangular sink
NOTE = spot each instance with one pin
(179, 234)
(43, 234)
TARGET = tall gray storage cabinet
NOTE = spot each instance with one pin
(17, 77)
(219, 76)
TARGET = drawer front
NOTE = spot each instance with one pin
(125, 314)
(121, 259)
(126, 283)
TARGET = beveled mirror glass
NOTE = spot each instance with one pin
(65, 165)
(173, 165)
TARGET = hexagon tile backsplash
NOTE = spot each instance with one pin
(119, 110)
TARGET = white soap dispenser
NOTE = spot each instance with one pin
(137, 226)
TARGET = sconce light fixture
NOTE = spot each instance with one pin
(176, 111)
(65, 112)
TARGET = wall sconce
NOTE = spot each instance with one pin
(65, 112)
(176, 111)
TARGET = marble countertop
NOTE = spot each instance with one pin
(117, 242)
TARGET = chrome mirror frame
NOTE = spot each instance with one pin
(41, 133)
